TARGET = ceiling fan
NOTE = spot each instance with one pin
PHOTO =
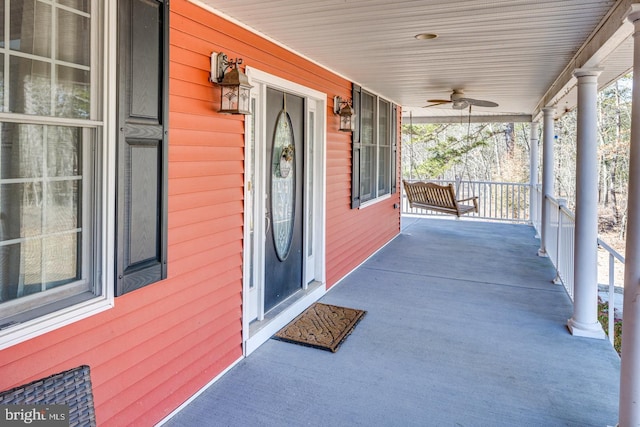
(460, 102)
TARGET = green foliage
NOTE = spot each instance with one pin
(603, 318)
(614, 127)
(444, 154)
(483, 151)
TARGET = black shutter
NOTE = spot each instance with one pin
(355, 150)
(394, 148)
(141, 242)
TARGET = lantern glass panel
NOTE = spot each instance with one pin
(244, 99)
(229, 99)
(347, 122)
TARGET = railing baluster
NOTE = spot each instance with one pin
(612, 297)
(495, 203)
(558, 279)
(498, 200)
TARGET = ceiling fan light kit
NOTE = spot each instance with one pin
(426, 36)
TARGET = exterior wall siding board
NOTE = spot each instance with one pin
(115, 347)
(182, 389)
(192, 231)
(189, 373)
(196, 91)
(195, 138)
(338, 174)
(179, 153)
(208, 198)
(136, 369)
(336, 188)
(192, 216)
(217, 241)
(184, 56)
(197, 107)
(162, 343)
(207, 123)
(204, 184)
(184, 265)
(199, 169)
(132, 404)
(187, 73)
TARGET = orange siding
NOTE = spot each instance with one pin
(162, 343)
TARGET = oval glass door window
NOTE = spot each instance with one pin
(283, 185)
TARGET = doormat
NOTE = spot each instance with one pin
(321, 326)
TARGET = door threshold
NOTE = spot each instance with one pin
(283, 313)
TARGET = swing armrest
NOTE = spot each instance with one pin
(475, 202)
(468, 198)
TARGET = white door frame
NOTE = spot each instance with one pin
(257, 332)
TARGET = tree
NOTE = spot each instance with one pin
(484, 151)
(614, 126)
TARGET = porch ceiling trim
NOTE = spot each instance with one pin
(209, 8)
(606, 38)
(514, 118)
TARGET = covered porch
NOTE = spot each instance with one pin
(464, 327)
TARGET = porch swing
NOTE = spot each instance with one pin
(440, 198)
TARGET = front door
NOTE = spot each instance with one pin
(284, 223)
(285, 115)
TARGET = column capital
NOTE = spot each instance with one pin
(548, 110)
(587, 72)
(633, 14)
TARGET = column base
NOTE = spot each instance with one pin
(587, 330)
(543, 253)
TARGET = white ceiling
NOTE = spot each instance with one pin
(518, 53)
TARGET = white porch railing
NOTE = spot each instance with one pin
(502, 201)
(560, 242)
(560, 246)
(614, 257)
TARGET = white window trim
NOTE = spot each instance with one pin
(374, 201)
(16, 334)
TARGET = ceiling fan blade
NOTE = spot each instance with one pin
(436, 102)
(480, 102)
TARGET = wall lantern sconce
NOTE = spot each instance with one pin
(235, 90)
(342, 107)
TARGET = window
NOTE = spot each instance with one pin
(369, 147)
(51, 160)
(374, 148)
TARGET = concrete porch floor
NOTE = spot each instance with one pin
(463, 328)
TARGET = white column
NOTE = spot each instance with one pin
(584, 322)
(548, 135)
(533, 173)
(630, 368)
